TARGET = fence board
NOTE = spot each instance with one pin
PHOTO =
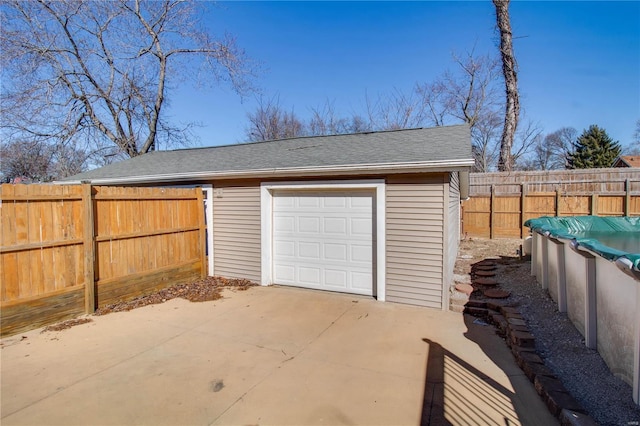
(7, 236)
(49, 281)
(10, 287)
(66, 249)
(21, 216)
(135, 285)
(500, 203)
(584, 180)
(610, 205)
(576, 205)
(42, 310)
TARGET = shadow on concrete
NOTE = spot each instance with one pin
(456, 392)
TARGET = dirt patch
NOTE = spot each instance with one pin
(473, 250)
(204, 290)
(66, 324)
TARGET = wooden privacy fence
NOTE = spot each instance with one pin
(66, 250)
(500, 203)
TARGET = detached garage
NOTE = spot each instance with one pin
(374, 213)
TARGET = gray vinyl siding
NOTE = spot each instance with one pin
(236, 224)
(415, 230)
(452, 229)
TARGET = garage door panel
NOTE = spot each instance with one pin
(335, 278)
(335, 251)
(309, 224)
(331, 201)
(283, 203)
(284, 274)
(306, 202)
(284, 224)
(324, 240)
(361, 281)
(309, 275)
(363, 202)
(361, 254)
(335, 225)
(361, 226)
(284, 248)
(309, 250)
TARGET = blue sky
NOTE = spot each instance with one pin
(579, 62)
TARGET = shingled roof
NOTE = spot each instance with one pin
(423, 149)
(627, 161)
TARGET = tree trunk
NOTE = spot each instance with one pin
(512, 111)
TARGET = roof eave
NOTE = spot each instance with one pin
(354, 169)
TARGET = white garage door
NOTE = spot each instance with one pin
(324, 240)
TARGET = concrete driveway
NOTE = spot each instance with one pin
(270, 355)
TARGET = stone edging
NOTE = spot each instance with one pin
(513, 328)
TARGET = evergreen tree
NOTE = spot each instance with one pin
(593, 149)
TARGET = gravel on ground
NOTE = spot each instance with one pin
(606, 398)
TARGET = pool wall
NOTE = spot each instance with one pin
(600, 299)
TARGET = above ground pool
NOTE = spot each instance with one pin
(614, 238)
(591, 267)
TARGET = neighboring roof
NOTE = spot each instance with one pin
(432, 149)
(627, 161)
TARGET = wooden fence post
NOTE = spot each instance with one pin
(523, 196)
(89, 248)
(594, 204)
(491, 201)
(202, 234)
(627, 198)
(557, 202)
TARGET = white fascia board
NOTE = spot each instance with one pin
(266, 219)
(412, 167)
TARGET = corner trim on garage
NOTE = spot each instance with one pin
(266, 215)
(208, 191)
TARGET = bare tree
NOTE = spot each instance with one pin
(541, 158)
(528, 136)
(635, 144)
(509, 70)
(68, 161)
(394, 111)
(436, 103)
(468, 94)
(270, 121)
(325, 121)
(484, 141)
(39, 161)
(75, 70)
(472, 93)
(357, 124)
(31, 160)
(559, 145)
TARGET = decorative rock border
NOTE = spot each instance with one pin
(495, 293)
(485, 281)
(485, 267)
(512, 327)
(483, 273)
